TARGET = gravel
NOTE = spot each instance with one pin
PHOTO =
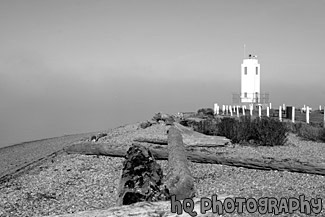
(71, 183)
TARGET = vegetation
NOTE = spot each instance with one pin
(228, 127)
(308, 131)
(205, 112)
(322, 135)
(270, 132)
(263, 131)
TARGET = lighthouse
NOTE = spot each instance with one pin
(250, 81)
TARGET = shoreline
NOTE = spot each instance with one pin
(42, 139)
(17, 157)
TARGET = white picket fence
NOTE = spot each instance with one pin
(231, 110)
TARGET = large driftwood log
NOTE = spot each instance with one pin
(188, 141)
(107, 149)
(190, 138)
(179, 180)
(145, 209)
(292, 165)
(141, 178)
(158, 141)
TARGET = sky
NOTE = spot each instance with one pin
(82, 66)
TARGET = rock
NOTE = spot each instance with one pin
(157, 117)
(167, 119)
(94, 138)
(141, 178)
(145, 124)
(152, 122)
(100, 135)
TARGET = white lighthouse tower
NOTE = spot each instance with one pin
(250, 81)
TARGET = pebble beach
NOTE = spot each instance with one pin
(68, 183)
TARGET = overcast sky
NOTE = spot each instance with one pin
(81, 66)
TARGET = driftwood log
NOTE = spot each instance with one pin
(213, 141)
(179, 180)
(160, 153)
(112, 150)
(145, 209)
(141, 178)
(190, 138)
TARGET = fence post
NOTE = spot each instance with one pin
(237, 111)
(307, 115)
(227, 108)
(251, 110)
(270, 105)
(230, 109)
(215, 107)
(324, 117)
(243, 107)
(320, 108)
(259, 111)
(280, 113)
(267, 111)
(293, 114)
(223, 109)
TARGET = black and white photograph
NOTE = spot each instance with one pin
(162, 108)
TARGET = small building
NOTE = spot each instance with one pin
(250, 81)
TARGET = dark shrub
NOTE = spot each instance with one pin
(264, 131)
(229, 128)
(246, 129)
(316, 124)
(208, 126)
(145, 124)
(270, 132)
(205, 112)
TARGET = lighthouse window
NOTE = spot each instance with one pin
(256, 70)
(245, 70)
(245, 94)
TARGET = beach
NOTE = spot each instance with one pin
(68, 183)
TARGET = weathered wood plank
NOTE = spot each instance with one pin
(292, 165)
(178, 180)
(190, 138)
